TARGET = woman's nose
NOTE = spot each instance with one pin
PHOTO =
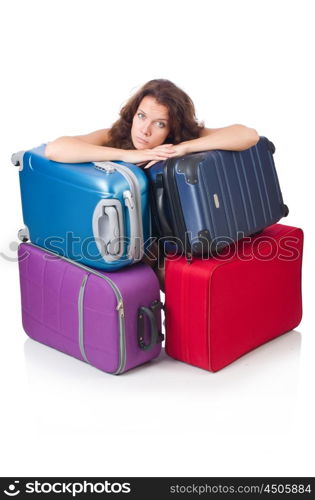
(146, 128)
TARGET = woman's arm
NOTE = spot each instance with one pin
(232, 138)
(82, 148)
(89, 148)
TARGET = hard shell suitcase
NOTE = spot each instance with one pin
(110, 320)
(94, 213)
(204, 201)
(219, 309)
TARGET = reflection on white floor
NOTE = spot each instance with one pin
(268, 357)
(259, 387)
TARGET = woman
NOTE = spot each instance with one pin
(157, 123)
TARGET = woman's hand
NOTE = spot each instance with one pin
(178, 150)
(159, 153)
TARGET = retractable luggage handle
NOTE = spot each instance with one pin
(160, 194)
(156, 336)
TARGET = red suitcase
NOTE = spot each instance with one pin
(219, 309)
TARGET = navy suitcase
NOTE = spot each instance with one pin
(204, 201)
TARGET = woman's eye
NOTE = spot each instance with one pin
(141, 116)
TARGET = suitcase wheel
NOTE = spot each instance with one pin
(23, 234)
(285, 210)
(271, 146)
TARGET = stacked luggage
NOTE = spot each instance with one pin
(84, 290)
(233, 275)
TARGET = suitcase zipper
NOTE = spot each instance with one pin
(136, 199)
(80, 312)
(119, 308)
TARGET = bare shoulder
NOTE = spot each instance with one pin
(208, 131)
(98, 137)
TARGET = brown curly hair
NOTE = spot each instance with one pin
(183, 122)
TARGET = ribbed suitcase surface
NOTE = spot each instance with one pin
(209, 199)
(91, 315)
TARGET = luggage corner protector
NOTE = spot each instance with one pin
(189, 167)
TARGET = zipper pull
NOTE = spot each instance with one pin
(120, 308)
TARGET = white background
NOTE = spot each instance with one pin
(66, 68)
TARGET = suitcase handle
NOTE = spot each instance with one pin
(113, 224)
(108, 228)
(156, 336)
(160, 203)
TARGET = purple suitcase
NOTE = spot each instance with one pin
(110, 320)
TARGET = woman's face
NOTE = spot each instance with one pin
(150, 125)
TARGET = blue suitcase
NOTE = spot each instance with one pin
(204, 201)
(94, 213)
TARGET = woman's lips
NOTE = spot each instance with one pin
(142, 140)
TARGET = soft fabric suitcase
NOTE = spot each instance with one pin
(110, 320)
(204, 201)
(219, 309)
(94, 213)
